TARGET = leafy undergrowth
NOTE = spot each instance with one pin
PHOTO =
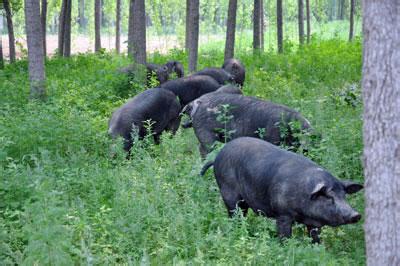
(68, 196)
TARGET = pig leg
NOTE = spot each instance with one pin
(156, 138)
(243, 206)
(206, 139)
(173, 125)
(314, 232)
(232, 199)
(284, 226)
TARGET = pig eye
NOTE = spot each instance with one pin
(331, 199)
(325, 197)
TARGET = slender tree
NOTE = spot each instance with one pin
(230, 30)
(262, 27)
(103, 16)
(301, 21)
(308, 20)
(43, 20)
(352, 7)
(61, 27)
(137, 31)
(194, 34)
(130, 28)
(35, 49)
(187, 23)
(97, 25)
(82, 18)
(333, 10)
(1, 40)
(279, 25)
(10, 29)
(381, 96)
(67, 29)
(118, 27)
(257, 25)
(341, 6)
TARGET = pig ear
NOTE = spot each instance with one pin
(350, 187)
(319, 190)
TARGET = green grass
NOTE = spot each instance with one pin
(65, 200)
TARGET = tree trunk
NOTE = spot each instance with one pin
(279, 25)
(35, 49)
(10, 29)
(194, 34)
(230, 30)
(97, 22)
(341, 9)
(187, 21)
(137, 29)
(333, 10)
(103, 16)
(256, 26)
(118, 27)
(44, 23)
(381, 96)
(61, 27)
(81, 11)
(67, 29)
(301, 21)
(308, 20)
(1, 42)
(262, 27)
(130, 28)
(352, 7)
(216, 14)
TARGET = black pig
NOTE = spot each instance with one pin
(249, 117)
(192, 87)
(252, 173)
(163, 72)
(158, 105)
(236, 69)
(219, 74)
(189, 108)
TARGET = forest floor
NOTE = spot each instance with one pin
(84, 44)
(64, 200)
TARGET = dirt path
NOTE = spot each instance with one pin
(83, 44)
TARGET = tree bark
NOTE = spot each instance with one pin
(381, 130)
(1, 42)
(301, 21)
(137, 31)
(97, 22)
(44, 23)
(35, 49)
(352, 7)
(187, 22)
(67, 29)
(256, 26)
(61, 27)
(279, 25)
(10, 29)
(118, 27)
(308, 20)
(230, 30)
(194, 34)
